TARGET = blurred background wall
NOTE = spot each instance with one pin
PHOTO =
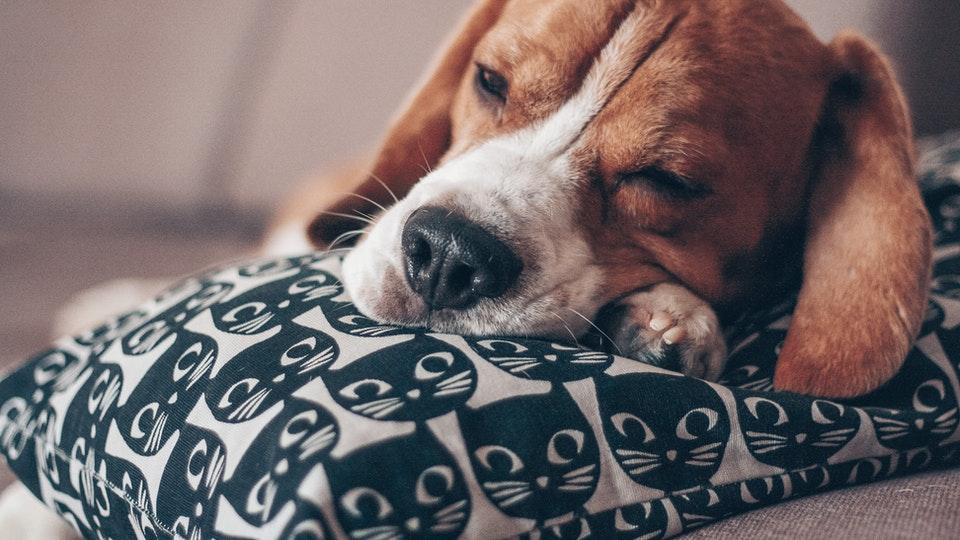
(152, 138)
(215, 103)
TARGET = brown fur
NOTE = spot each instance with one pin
(788, 134)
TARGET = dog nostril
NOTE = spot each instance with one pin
(419, 251)
(461, 278)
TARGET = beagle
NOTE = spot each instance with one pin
(651, 169)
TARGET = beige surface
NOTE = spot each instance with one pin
(235, 101)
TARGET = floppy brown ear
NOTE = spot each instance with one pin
(867, 259)
(418, 136)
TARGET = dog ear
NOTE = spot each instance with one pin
(418, 136)
(867, 258)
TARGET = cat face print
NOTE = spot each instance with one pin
(534, 456)
(299, 437)
(407, 487)
(415, 380)
(793, 432)
(284, 363)
(542, 361)
(656, 439)
(262, 308)
(150, 333)
(918, 406)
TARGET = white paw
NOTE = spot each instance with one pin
(670, 327)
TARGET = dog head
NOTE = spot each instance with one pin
(563, 153)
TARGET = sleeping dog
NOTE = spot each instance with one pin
(678, 162)
(670, 163)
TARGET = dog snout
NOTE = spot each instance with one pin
(452, 262)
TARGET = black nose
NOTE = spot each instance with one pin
(451, 262)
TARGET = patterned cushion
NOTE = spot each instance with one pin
(253, 401)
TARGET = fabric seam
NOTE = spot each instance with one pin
(68, 461)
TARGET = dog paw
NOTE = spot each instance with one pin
(668, 326)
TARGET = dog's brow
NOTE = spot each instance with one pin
(618, 60)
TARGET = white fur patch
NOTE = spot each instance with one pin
(522, 188)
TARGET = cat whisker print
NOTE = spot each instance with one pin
(515, 364)
(363, 328)
(244, 325)
(945, 423)
(704, 456)
(506, 494)
(579, 473)
(319, 441)
(457, 384)
(627, 452)
(378, 408)
(383, 532)
(449, 518)
(590, 357)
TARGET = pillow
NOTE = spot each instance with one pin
(254, 401)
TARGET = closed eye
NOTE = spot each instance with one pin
(664, 182)
(491, 85)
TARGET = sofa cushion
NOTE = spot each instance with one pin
(254, 401)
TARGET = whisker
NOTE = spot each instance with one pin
(564, 323)
(581, 471)
(368, 199)
(346, 236)
(388, 410)
(449, 391)
(573, 488)
(706, 447)
(887, 437)
(495, 485)
(825, 444)
(639, 460)
(426, 162)
(508, 492)
(837, 432)
(445, 527)
(374, 403)
(585, 479)
(770, 449)
(454, 378)
(766, 435)
(602, 333)
(765, 442)
(881, 420)
(941, 430)
(707, 456)
(348, 216)
(891, 429)
(456, 517)
(946, 415)
(696, 463)
(514, 500)
(643, 469)
(450, 508)
(374, 532)
(385, 186)
(628, 452)
(364, 215)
